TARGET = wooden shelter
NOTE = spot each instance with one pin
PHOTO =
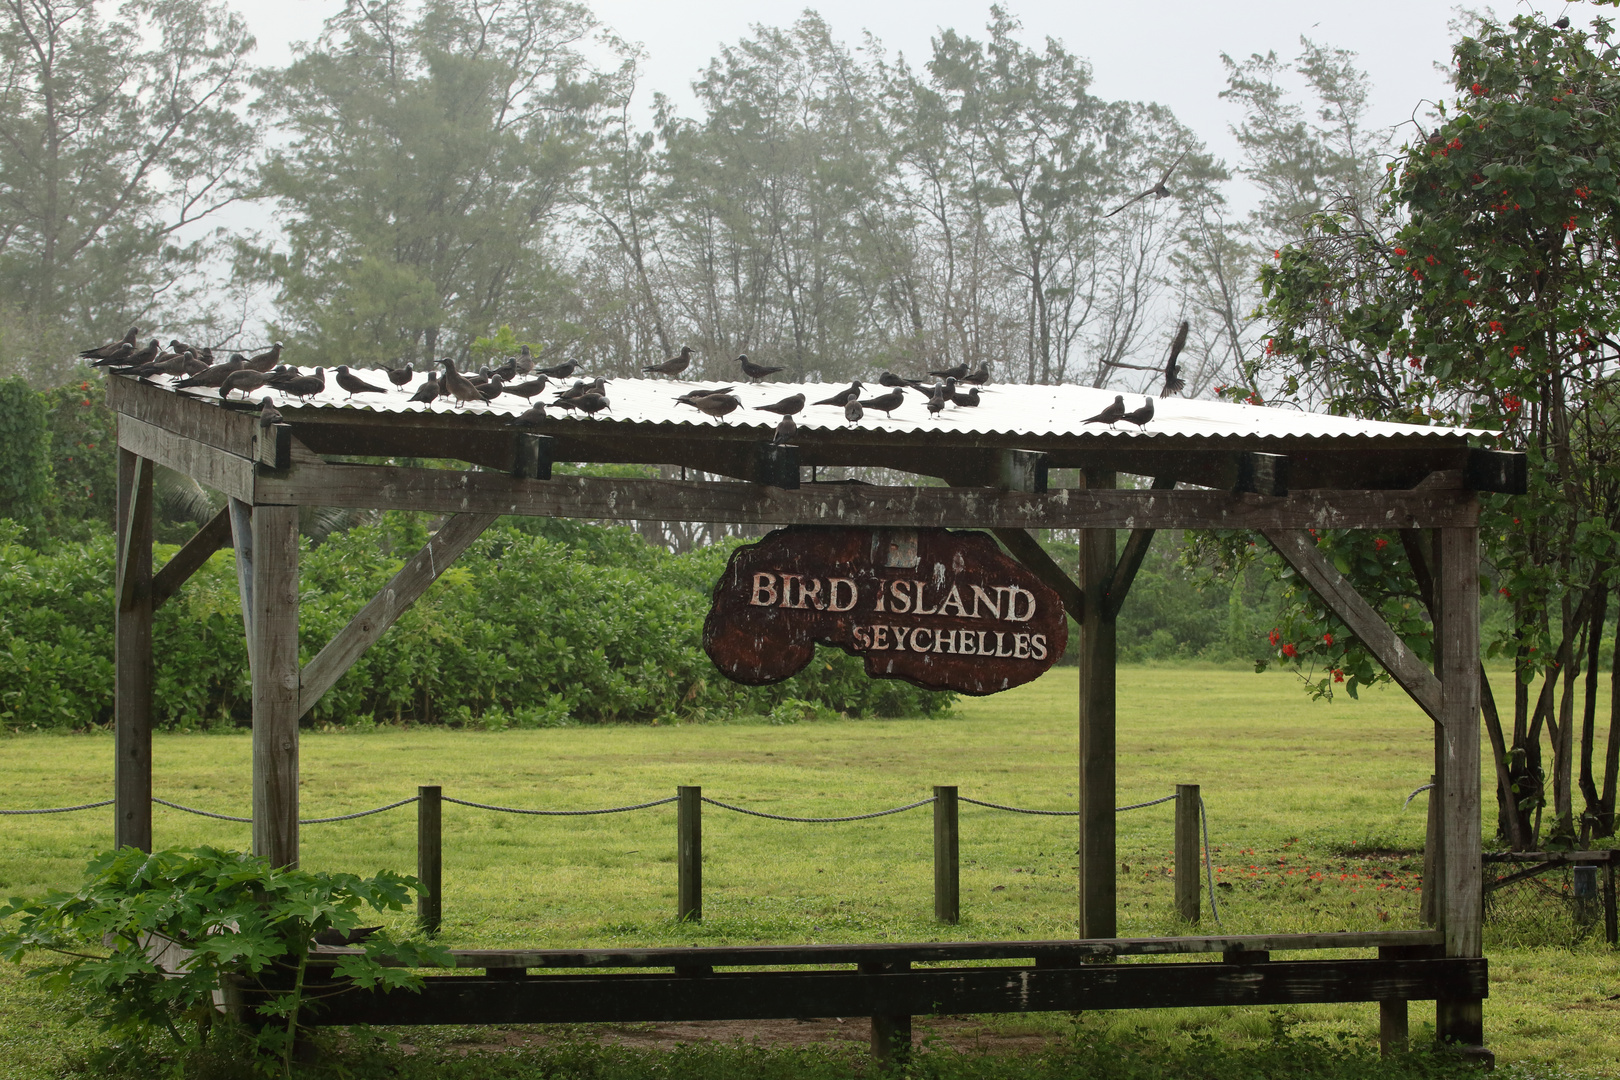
(1213, 465)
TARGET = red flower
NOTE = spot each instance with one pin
(1569, 226)
(85, 403)
(1277, 254)
(1506, 592)
(1275, 637)
(1327, 639)
(1289, 650)
(1416, 274)
(1338, 675)
(84, 385)
(1511, 403)
(1400, 251)
(1496, 327)
(1380, 544)
(1517, 350)
(1479, 91)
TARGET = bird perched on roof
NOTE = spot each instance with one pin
(1172, 381)
(674, 365)
(528, 389)
(978, 378)
(1140, 416)
(492, 389)
(121, 352)
(268, 413)
(786, 407)
(508, 370)
(843, 397)
(938, 397)
(428, 390)
(958, 372)
(354, 384)
(692, 395)
(755, 372)
(181, 364)
(267, 359)
(580, 389)
(525, 361)
(215, 375)
(303, 386)
(885, 403)
(562, 370)
(785, 430)
(969, 400)
(1110, 414)
(853, 411)
(592, 403)
(400, 376)
(1158, 191)
(532, 415)
(715, 405)
(106, 352)
(143, 356)
(243, 379)
(457, 385)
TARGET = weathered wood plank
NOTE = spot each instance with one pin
(275, 684)
(373, 620)
(1340, 596)
(1027, 550)
(190, 558)
(446, 492)
(232, 430)
(1098, 914)
(933, 952)
(761, 995)
(132, 657)
(1460, 1017)
(242, 539)
(208, 465)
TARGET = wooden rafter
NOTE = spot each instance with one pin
(1028, 550)
(1130, 560)
(190, 558)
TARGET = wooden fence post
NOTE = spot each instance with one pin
(689, 854)
(274, 642)
(430, 857)
(891, 1032)
(1188, 871)
(947, 866)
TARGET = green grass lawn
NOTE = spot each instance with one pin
(1304, 801)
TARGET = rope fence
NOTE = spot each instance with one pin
(1189, 820)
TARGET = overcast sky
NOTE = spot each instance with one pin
(1168, 51)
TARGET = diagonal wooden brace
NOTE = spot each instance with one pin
(1028, 551)
(241, 515)
(1130, 560)
(350, 643)
(1299, 549)
(189, 559)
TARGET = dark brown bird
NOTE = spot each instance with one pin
(492, 389)
(268, 413)
(112, 348)
(1172, 381)
(525, 361)
(940, 396)
(1158, 191)
(267, 359)
(118, 357)
(562, 370)
(978, 378)
(1140, 416)
(400, 376)
(1562, 22)
(243, 379)
(958, 372)
(144, 356)
(354, 384)
(786, 407)
(428, 390)
(785, 430)
(507, 371)
(715, 405)
(457, 385)
(843, 397)
(755, 372)
(532, 415)
(592, 403)
(303, 386)
(1110, 414)
(693, 395)
(581, 388)
(968, 400)
(853, 411)
(885, 403)
(182, 364)
(528, 389)
(215, 375)
(674, 365)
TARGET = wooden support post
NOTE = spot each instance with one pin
(1189, 872)
(689, 854)
(242, 542)
(274, 647)
(891, 1032)
(947, 866)
(1459, 1020)
(1097, 737)
(430, 857)
(132, 657)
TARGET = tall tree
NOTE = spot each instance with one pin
(119, 137)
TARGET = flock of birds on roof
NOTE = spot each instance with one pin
(193, 367)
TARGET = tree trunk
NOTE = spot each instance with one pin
(1594, 646)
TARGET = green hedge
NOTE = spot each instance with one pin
(525, 630)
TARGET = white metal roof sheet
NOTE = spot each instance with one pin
(1035, 411)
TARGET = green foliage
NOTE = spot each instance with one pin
(83, 455)
(215, 917)
(25, 472)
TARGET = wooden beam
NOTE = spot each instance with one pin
(403, 590)
(1298, 548)
(275, 684)
(1262, 474)
(234, 430)
(132, 657)
(208, 465)
(1503, 471)
(645, 997)
(1130, 560)
(190, 558)
(1460, 1018)
(1027, 550)
(621, 499)
(241, 515)
(1098, 916)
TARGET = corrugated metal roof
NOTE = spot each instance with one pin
(1035, 411)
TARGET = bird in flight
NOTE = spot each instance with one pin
(1172, 381)
(1158, 191)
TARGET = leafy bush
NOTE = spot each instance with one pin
(524, 630)
(147, 939)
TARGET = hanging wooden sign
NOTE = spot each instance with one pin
(944, 610)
